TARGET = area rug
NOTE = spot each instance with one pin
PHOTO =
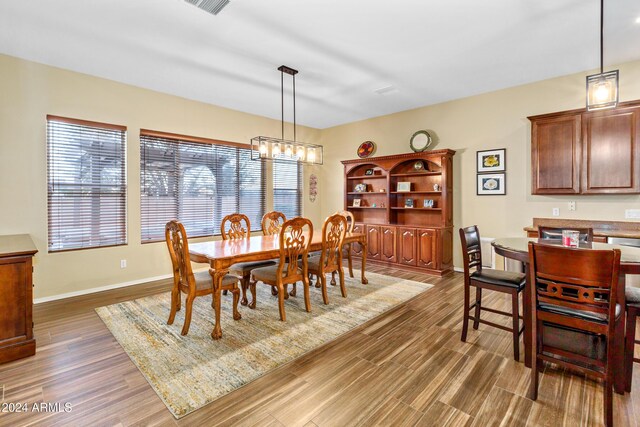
(188, 372)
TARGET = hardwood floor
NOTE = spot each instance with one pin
(405, 368)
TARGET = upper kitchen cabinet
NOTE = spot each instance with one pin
(580, 152)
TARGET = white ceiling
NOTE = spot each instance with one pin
(430, 51)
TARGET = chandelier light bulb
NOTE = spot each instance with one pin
(311, 155)
(300, 152)
(263, 149)
(275, 150)
(602, 91)
(288, 150)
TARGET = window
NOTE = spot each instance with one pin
(197, 181)
(87, 189)
(287, 188)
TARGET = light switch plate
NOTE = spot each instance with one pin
(555, 212)
(632, 213)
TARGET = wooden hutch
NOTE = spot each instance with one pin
(402, 230)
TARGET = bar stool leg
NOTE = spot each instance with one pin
(516, 324)
(630, 338)
(465, 314)
(476, 322)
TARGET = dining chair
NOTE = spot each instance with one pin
(632, 302)
(188, 282)
(294, 240)
(272, 223)
(346, 249)
(555, 233)
(330, 258)
(508, 282)
(574, 289)
(234, 227)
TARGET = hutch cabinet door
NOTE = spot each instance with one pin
(388, 244)
(555, 154)
(407, 247)
(427, 248)
(373, 242)
(610, 151)
(356, 248)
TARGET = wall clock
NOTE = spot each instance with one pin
(420, 141)
(366, 149)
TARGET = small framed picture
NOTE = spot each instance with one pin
(492, 160)
(492, 185)
(360, 188)
(408, 203)
(404, 187)
(427, 203)
(369, 172)
(356, 203)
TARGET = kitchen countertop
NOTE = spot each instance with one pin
(627, 229)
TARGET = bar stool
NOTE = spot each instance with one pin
(483, 278)
(632, 297)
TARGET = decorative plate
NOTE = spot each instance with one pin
(366, 149)
(360, 188)
(418, 166)
(420, 141)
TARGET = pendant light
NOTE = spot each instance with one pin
(280, 149)
(602, 88)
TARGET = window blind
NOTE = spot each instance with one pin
(87, 191)
(287, 188)
(197, 181)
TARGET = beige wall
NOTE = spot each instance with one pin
(487, 121)
(30, 91)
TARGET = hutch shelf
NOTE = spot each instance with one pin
(405, 208)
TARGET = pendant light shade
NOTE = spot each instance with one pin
(270, 148)
(602, 88)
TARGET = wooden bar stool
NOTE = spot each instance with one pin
(496, 280)
(632, 297)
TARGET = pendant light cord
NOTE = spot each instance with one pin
(294, 107)
(601, 36)
(282, 101)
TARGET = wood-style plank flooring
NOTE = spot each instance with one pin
(408, 367)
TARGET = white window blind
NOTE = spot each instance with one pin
(197, 181)
(87, 191)
(287, 188)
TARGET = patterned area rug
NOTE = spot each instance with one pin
(192, 371)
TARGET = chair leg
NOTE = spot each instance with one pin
(323, 284)
(294, 291)
(236, 298)
(281, 292)
(516, 325)
(187, 315)
(274, 291)
(533, 386)
(252, 287)
(224, 292)
(343, 288)
(608, 402)
(629, 342)
(476, 322)
(333, 278)
(318, 281)
(465, 314)
(350, 265)
(307, 297)
(244, 283)
(175, 303)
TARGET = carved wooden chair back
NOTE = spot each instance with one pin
(333, 232)
(235, 226)
(581, 280)
(471, 250)
(295, 238)
(586, 234)
(176, 238)
(272, 223)
(351, 220)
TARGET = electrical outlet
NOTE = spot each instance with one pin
(572, 206)
(632, 213)
(123, 263)
(555, 212)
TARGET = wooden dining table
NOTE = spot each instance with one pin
(517, 248)
(222, 254)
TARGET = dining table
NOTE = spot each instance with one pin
(222, 254)
(517, 248)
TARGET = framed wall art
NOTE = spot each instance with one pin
(491, 184)
(489, 161)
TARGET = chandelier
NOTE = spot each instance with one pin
(280, 149)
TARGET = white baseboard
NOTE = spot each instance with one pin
(105, 288)
(458, 269)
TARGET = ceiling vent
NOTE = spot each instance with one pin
(212, 6)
